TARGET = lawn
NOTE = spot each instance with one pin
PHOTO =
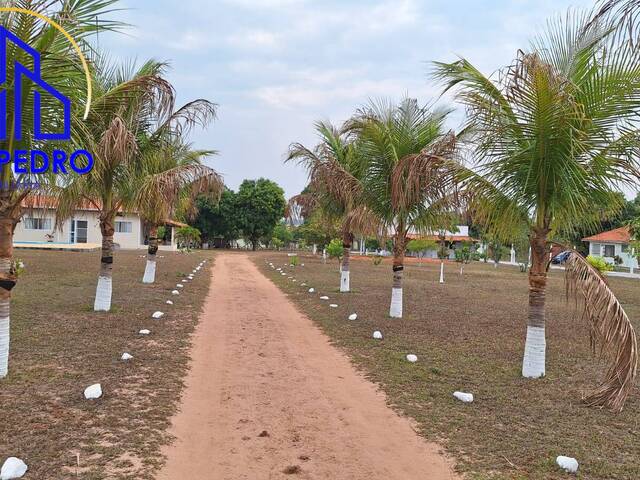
(59, 346)
(469, 335)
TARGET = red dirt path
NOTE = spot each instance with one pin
(268, 397)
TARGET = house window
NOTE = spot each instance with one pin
(31, 223)
(609, 250)
(124, 227)
(625, 247)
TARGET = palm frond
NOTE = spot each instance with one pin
(610, 328)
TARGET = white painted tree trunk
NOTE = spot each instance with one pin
(4, 337)
(344, 281)
(533, 364)
(441, 272)
(395, 310)
(149, 272)
(103, 295)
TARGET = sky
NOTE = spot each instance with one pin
(276, 66)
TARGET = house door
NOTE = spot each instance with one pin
(79, 231)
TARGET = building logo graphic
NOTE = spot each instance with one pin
(24, 96)
(20, 74)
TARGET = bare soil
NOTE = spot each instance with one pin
(269, 397)
(469, 335)
(59, 346)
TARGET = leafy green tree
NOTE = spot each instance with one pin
(260, 205)
(218, 219)
(283, 233)
(552, 135)
(188, 236)
(463, 255)
(317, 230)
(335, 250)
(420, 245)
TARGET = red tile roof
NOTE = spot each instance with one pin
(448, 238)
(617, 235)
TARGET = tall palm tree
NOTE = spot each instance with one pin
(168, 174)
(60, 67)
(552, 134)
(335, 187)
(409, 162)
(128, 101)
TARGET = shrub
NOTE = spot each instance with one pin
(599, 264)
(293, 260)
(334, 249)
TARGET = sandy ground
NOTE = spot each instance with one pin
(268, 397)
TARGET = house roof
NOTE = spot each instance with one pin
(448, 238)
(48, 202)
(175, 223)
(617, 235)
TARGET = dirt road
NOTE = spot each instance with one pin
(268, 397)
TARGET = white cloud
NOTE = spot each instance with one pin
(252, 39)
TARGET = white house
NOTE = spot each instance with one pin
(37, 226)
(612, 244)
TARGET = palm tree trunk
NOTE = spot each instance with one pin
(347, 239)
(395, 310)
(103, 290)
(150, 268)
(533, 364)
(7, 282)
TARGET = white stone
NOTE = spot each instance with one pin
(333, 305)
(303, 284)
(169, 302)
(464, 397)
(294, 280)
(312, 290)
(324, 297)
(175, 292)
(412, 358)
(179, 285)
(126, 356)
(93, 391)
(157, 315)
(569, 464)
(353, 316)
(377, 335)
(185, 280)
(13, 468)
(144, 331)
(302, 265)
(193, 271)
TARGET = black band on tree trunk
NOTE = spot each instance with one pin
(398, 268)
(106, 259)
(344, 245)
(7, 284)
(152, 249)
(153, 238)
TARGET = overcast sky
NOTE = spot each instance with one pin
(275, 66)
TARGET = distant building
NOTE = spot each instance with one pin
(453, 240)
(612, 244)
(37, 226)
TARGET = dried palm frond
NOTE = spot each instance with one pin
(610, 328)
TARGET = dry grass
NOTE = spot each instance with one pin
(469, 335)
(60, 346)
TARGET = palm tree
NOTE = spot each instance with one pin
(408, 158)
(61, 68)
(335, 187)
(128, 101)
(169, 173)
(553, 134)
